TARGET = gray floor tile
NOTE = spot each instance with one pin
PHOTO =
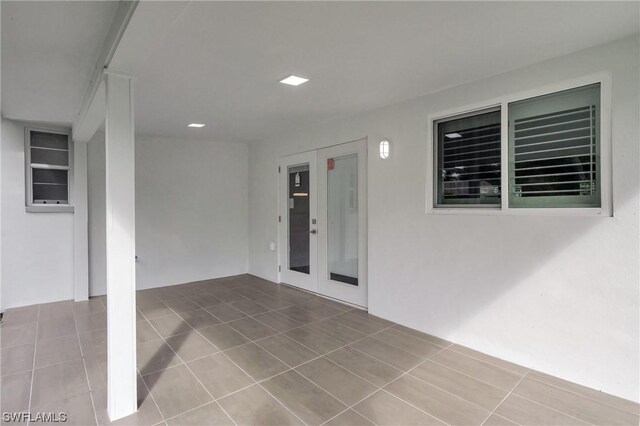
(58, 382)
(209, 414)
(176, 391)
(360, 323)
(14, 392)
(298, 314)
(480, 370)
(219, 375)
(223, 336)
(364, 366)
(349, 418)
(93, 342)
(96, 366)
(251, 329)
(225, 312)
(421, 335)
(442, 405)
(345, 386)
(407, 343)
(190, 346)
(518, 369)
(337, 331)
(306, 400)
(147, 414)
(459, 384)
(153, 310)
(91, 322)
(604, 398)
(254, 406)
(181, 304)
(390, 354)
(154, 356)
(256, 362)
(199, 318)
(384, 409)
(525, 412)
(78, 408)
(17, 335)
(277, 322)
(15, 359)
(314, 340)
(249, 307)
(56, 327)
(20, 316)
(145, 333)
(496, 420)
(90, 306)
(170, 325)
(49, 311)
(573, 404)
(55, 351)
(286, 350)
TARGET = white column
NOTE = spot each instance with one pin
(80, 222)
(121, 278)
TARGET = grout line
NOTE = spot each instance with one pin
(539, 380)
(164, 420)
(504, 399)
(33, 366)
(84, 366)
(190, 371)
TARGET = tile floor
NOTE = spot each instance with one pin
(241, 350)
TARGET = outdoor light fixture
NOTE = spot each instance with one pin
(195, 125)
(384, 149)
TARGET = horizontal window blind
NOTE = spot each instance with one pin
(468, 159)
(554, 150)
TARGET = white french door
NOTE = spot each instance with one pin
(298, 222)
(323, 214)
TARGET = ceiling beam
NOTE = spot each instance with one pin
(91, 113)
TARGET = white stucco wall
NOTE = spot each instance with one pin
(559, 294)
(191, 211)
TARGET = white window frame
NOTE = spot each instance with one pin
(46, 208)
(606, 205)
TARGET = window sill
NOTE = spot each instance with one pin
(587, 211)
(49, 209)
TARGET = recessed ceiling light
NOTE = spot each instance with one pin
(453, 135)
(294, 80)
(195, 125)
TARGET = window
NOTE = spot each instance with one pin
(554, 150)
(468, 156)
(48, 163)
(550, 156)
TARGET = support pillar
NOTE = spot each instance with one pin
(120, 230)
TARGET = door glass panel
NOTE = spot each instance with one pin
(299, 218)
(342, 219)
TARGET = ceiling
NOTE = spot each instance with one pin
(48, 51)
(219, 63)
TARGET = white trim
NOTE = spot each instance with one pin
(30, 206)
(606, 184)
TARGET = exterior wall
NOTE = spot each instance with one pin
(37, 255)
(559, 294)
(191, 211)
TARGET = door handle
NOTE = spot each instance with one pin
(313, 231)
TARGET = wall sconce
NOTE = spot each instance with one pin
(384, 149)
